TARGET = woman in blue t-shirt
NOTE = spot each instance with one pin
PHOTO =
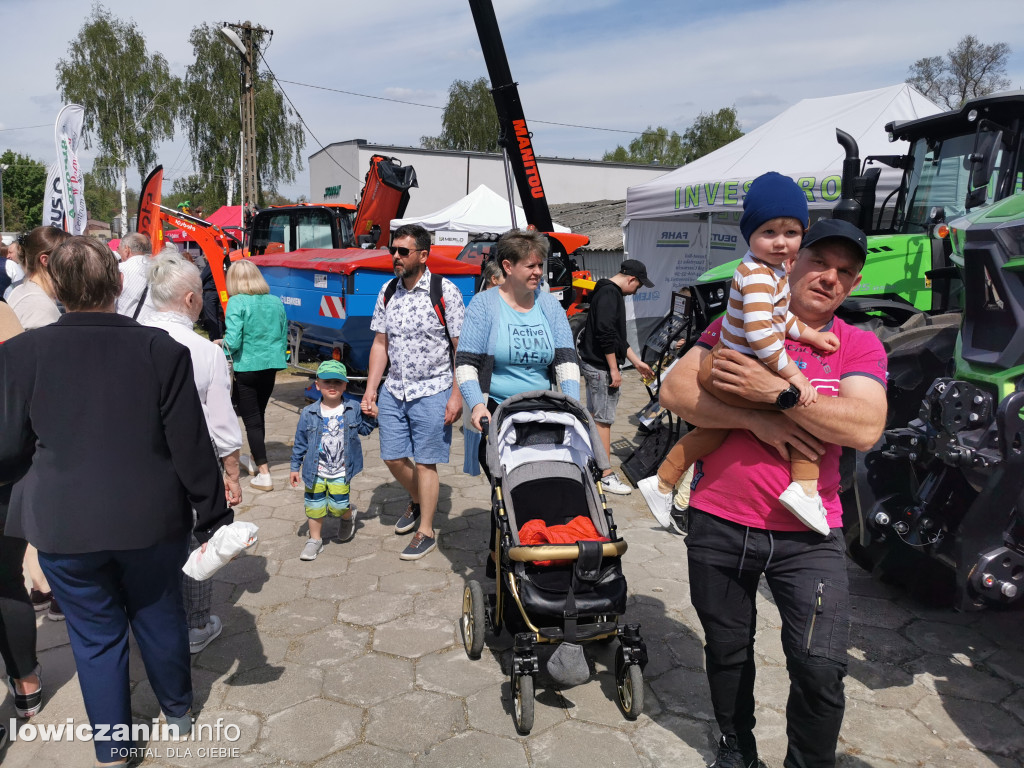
(515, 338)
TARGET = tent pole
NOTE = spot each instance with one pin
(707, 246)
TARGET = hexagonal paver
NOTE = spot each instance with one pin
(374, 608)
(240, 652)
(272, 688)
(297, 617)
(280, 589)
(684, 692)
(875, 644)
(943, 638)
(890, 733)
(349, 584)
(424, 718)
(314, 569)
(674, 741)
(331, 646)
(239, 731)
(490, 710)
(960, 679)
(312, 730)
(245, 569)
(370, 679)
(455, 674)
(971, 724)
(481, 750)
(576, 743)
(414, 636)
(412, 582)
(363, 755)
(878, 612)
(883, 684)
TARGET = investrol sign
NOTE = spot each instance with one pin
(730, 193)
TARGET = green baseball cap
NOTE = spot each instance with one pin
(331, 369)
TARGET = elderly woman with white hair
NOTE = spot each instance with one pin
(177, 295)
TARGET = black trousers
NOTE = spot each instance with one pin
(806, 574)
(17, 617)
(254, 389)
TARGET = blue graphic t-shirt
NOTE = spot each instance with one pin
(332, 442)
(523, 354)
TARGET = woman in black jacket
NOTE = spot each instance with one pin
(106, 484)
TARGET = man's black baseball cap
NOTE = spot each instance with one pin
(635, 268)
(823, 229)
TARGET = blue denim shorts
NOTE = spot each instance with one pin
(414, 428)
(602, 400)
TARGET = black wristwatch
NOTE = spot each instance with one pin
(787, 398)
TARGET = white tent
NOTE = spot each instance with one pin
(482, 210)
(687, 221)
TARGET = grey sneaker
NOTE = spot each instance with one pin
(612, 484)
(409, 520)
(313, 548)
(347, 526)
(420, 546)
(198, 639)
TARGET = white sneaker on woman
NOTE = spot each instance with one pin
(262, 482)
(612, 484)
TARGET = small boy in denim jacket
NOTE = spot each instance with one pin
(327, 455)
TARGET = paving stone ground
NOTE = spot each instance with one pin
(356, 659)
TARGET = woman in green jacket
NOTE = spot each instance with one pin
(256, 339)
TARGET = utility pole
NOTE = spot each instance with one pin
(243, 41)
(3, 217)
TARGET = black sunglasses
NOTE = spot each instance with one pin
(403, 252)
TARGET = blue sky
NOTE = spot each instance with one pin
(610, 64)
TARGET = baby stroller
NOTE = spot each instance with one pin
(544, 468)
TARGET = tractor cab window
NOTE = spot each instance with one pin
(478, 252)
(940, 177)
(272, 234)
(313, 229)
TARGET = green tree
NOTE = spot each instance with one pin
(197, 193)
(103, 198)
(969, 70)
(24, 184)
(128, 93)
(469, 122)
(655, 145)
(709, 132)
(211, 116)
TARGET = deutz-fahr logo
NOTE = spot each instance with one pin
(678, 239)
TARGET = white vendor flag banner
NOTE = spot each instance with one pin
(68, 134)
(53, 199)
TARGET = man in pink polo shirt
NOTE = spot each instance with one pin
(737, 529)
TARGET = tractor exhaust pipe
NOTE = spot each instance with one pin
(848, 208)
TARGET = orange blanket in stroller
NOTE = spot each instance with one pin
(580, 528)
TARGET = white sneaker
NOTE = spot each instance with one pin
(262, 482)
(808, 509)
(659, 503)
(313, 548)
(250, 466)
(198, 639)
(612, 484)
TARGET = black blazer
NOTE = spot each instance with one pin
(101, 421)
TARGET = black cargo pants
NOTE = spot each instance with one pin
(806, 574)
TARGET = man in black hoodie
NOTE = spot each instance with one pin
(603, 347)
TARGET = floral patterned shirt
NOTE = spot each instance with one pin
(417, 345)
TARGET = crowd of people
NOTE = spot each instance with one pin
(98, 324)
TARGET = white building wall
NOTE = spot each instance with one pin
(336, 175)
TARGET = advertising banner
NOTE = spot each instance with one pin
(68, 135)
(53, 199)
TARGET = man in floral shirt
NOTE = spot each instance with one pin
(418, 403)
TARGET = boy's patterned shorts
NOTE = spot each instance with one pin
(327, 496)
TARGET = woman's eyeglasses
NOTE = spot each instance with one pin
(403, 252)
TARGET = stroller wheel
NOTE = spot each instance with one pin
(474, 621)
(629, 684)
(522, 702)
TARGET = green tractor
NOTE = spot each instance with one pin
(935, 505)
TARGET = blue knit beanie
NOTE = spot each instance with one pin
(770, 196)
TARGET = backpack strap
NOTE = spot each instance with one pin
(436, 301)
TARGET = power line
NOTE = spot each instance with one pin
(304, 124)
(26, 127)
(434, 106)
